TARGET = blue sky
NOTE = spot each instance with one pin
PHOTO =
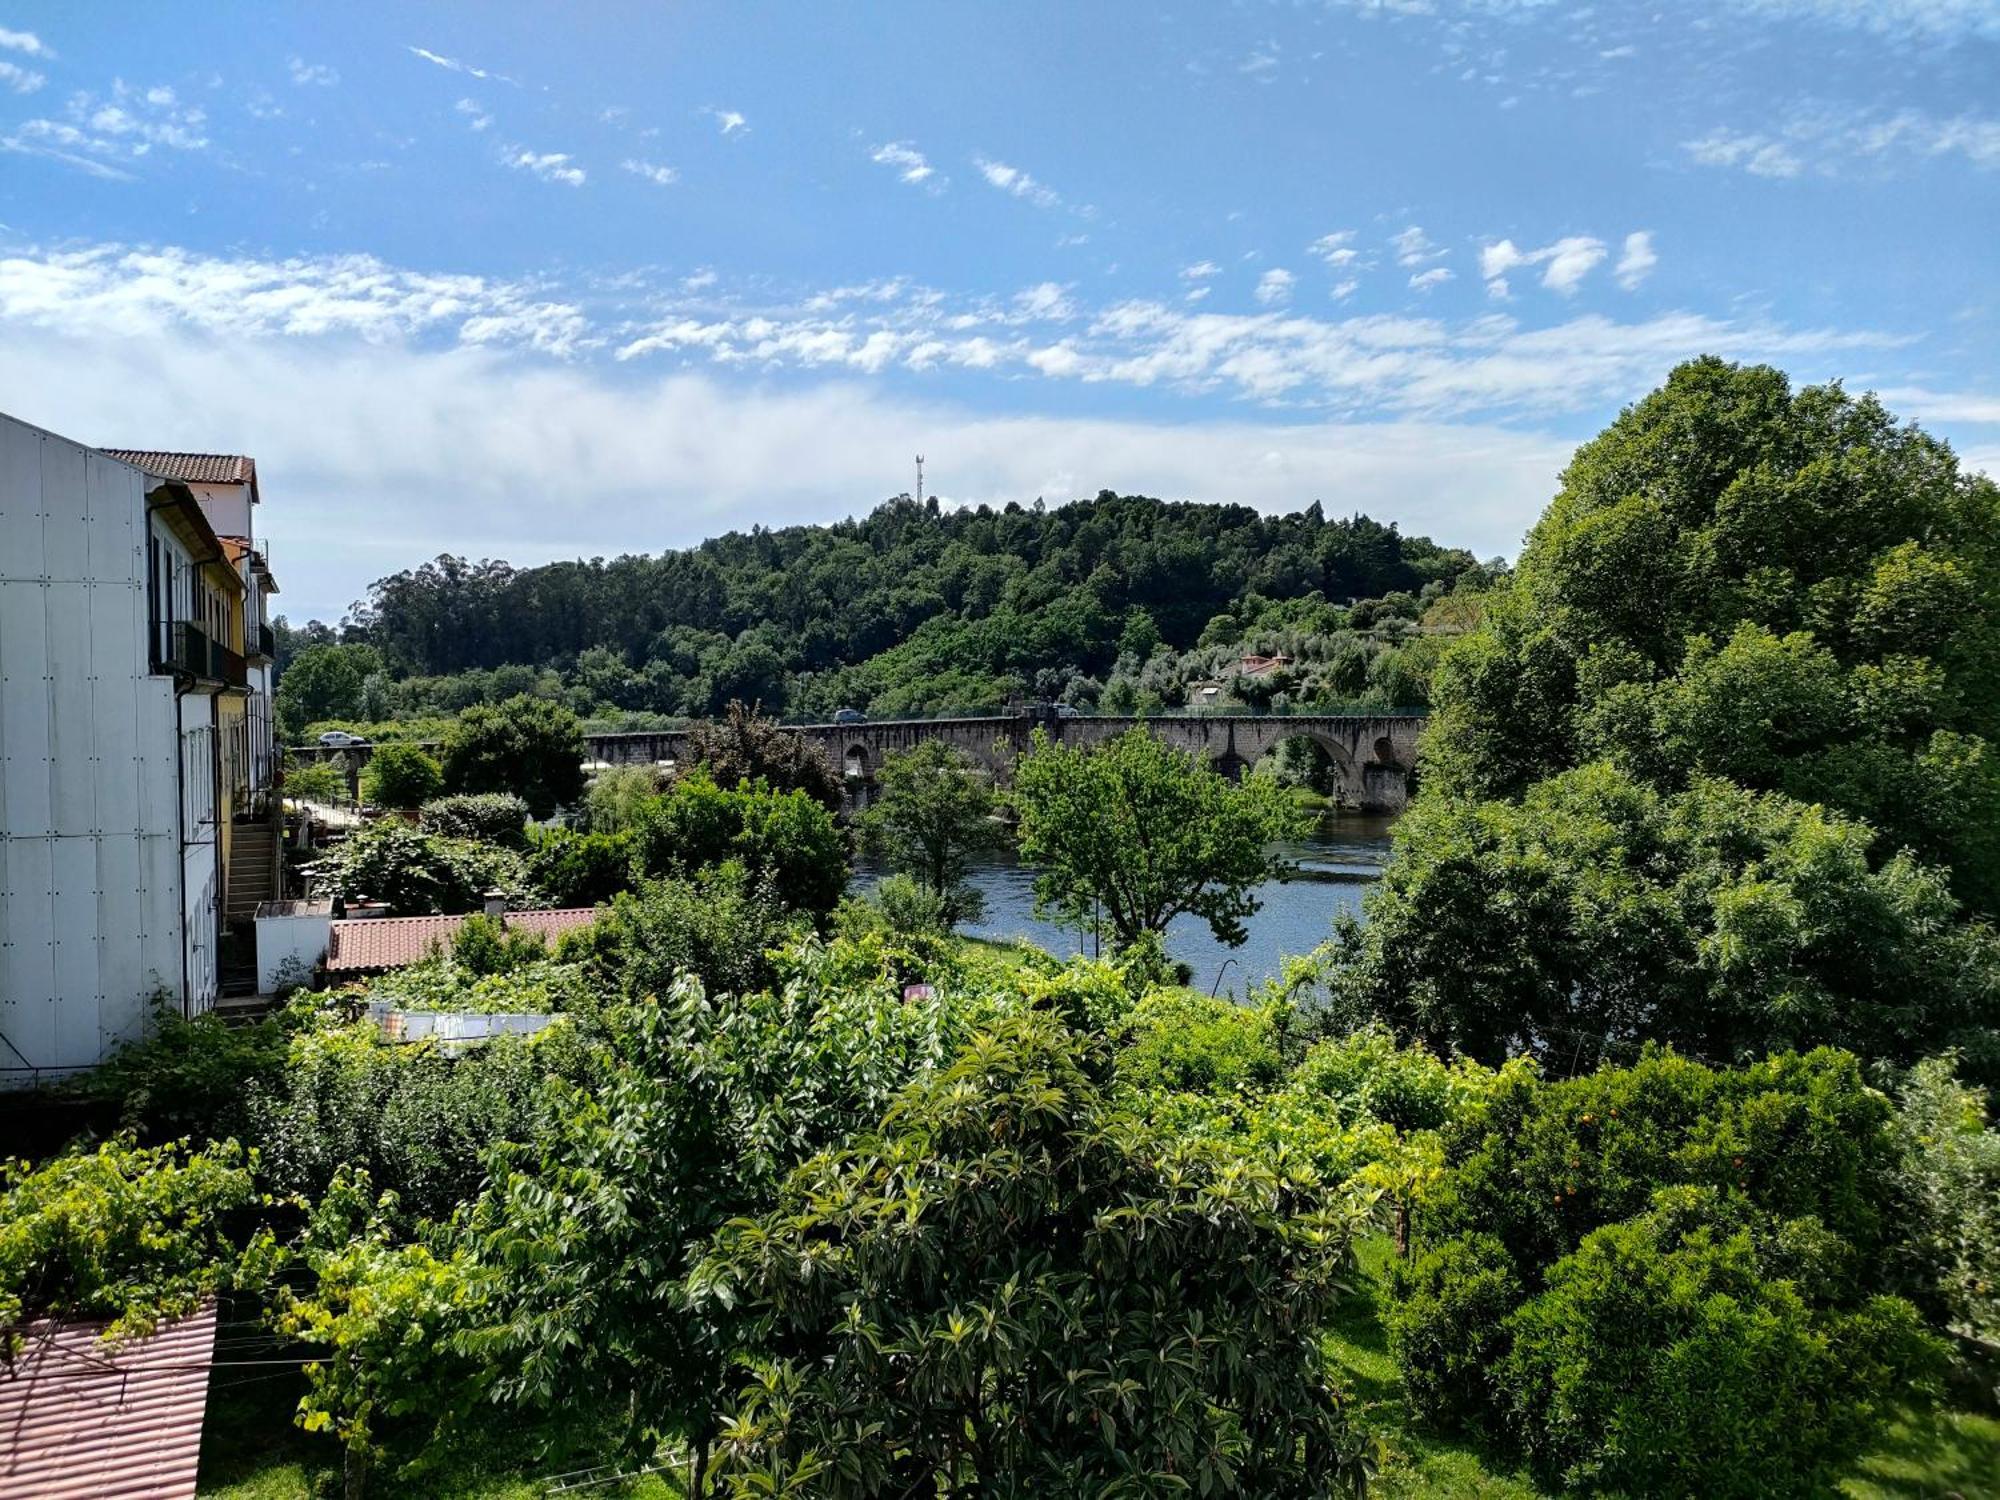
(534, 281)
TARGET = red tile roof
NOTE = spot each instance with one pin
(193, 468)
(391, 942)
(81, 1418)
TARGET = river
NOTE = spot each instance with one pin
(1336, 865)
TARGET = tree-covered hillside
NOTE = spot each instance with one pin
(911, 609)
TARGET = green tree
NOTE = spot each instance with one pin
(526, 746)
(741, 746)
(1786, 588)
(616, 795)
(401, 776)
(1597, 912)
(934, 810)
(1013, 1289)
(786, 839)
(323, 682)
(1134, 833)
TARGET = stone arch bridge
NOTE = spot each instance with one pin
(1373, 756)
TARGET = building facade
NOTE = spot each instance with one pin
(126, 749)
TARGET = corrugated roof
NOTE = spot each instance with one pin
(193, 468)
(392, 942)
(80, 1418)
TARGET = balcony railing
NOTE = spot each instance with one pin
(190, 649)
(262, 641)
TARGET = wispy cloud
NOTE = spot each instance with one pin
(1274, 287)
(910, 164)
(457, 65)
(550, 166)
(1564, 263)
(1759, 155)
(729, 121)
(1436, 276)
(1829, 140)
(653, 172)
(1016, 182)
(1338, 251)
(475, 114)
(1414, 248)
(19, 79)
(1637, 263)
(106, 136)
(25, 41)
(1928, 20)
(1201, 270)
(312, 75)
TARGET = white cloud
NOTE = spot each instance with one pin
(1337, 249)
(306, 74)
(1197, 293)
(1939, 20)
(1342, 290)
(699, 281)
(1637, 263)
(1565, 263)
(1414, 247)
(910, 163)
(1423, 281)
(1759, 155)
(104, 136)
(1017, 182)
(1975, 138)
(728, 121)
(455, 65)
(653, 172)
(19, 79)
(1048, 301)
(1274, 287)
(475, 115)
(25, 41)
(1919, 404)
(1615, 54)
(1201, 270)
(550, 166)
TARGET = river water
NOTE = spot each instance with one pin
(1336, 865)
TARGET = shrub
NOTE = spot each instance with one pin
(319, 781)
(744, 747)
(420, 874)
(579, 869)
(126, 1233)
(189, 1078)
(1661, 1277)
(1672, 1354)
(1948, 1200)
(486, 817)
(912, 909)
(786, 839)
(485, 946)
(719, 926)
(526, 745)
(617, 794)
(418, 1122)
(401, 776)
(1179, 1041)
(983, 1297)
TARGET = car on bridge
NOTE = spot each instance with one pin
(340, 739)
(849, 716)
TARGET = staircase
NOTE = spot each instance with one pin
(253, 870)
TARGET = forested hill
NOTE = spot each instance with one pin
(910, 609)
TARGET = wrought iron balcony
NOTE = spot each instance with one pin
(262, 642)
(189, 650)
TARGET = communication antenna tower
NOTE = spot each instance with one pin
(920, 479)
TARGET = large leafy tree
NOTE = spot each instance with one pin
(1599, 911)
(1133, 833)
(1013, 1289)
(527, 746)
(935, 810)
(785, 839)
(323, 681)
(1785, 588)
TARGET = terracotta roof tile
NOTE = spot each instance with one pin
(80, 1418)
(192, 468)
(391, 942)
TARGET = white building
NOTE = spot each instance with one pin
(118, 608)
